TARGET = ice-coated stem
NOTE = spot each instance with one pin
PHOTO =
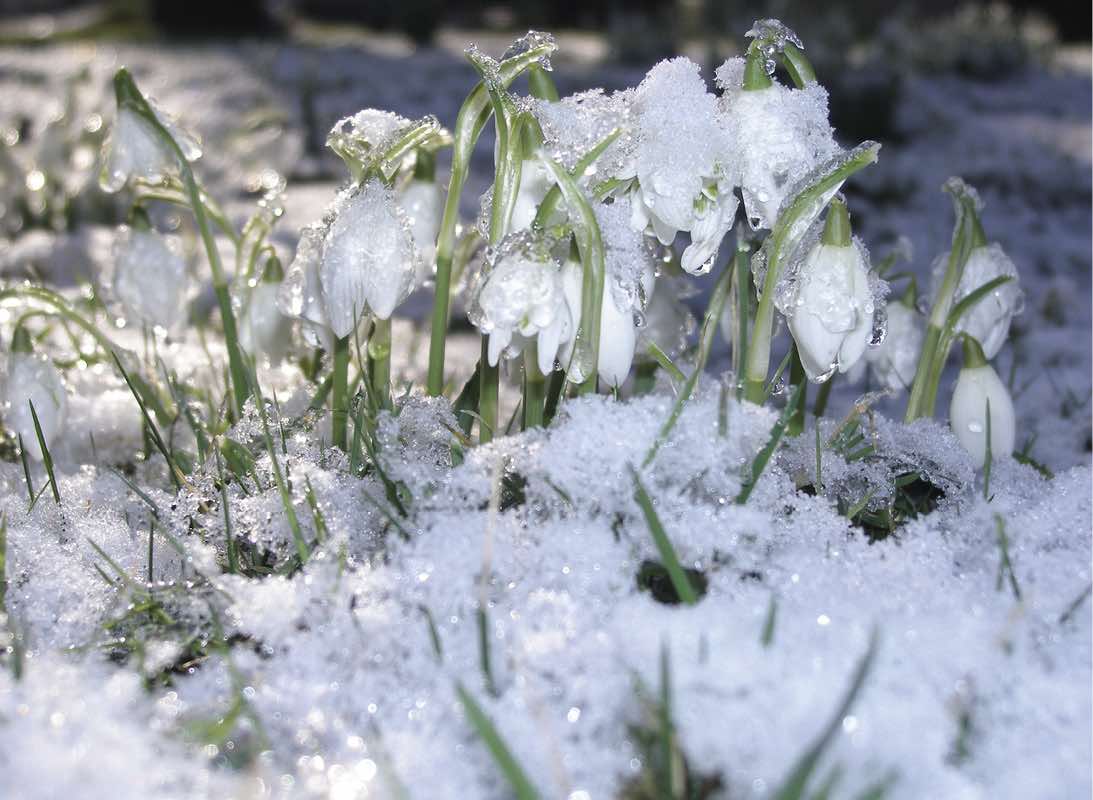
(489, 380)
(967, 235)
(379, 362)
(472, 118)
(799, 381)
(129, 96)
(339, 399)
(534, 388)
(586, 231)
(784, 238)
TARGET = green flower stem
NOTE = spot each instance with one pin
(379, 362)
(489, 380)
(784, 239)
(129, 96)
(742, 296)
(798, 380)
(586, 231)
(932, 358)
(797, 65)
(534, 388)
(340, 396)
(755, 70)
(974, 357)
(541, 85)
(472, 118)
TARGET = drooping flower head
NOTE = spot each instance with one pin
(988, 321)
(628, 285)
(830, 304)
(776, 136)
(32, 378)
(148, 278)
(520, 295)
(978, 394)
(264, 330)
(684, 181)
(135, 150)
(369, 260)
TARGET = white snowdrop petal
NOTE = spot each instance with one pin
(423, 204)
(368, 259)
(968, 413)
(32, 378)
(618, 338)
(149, 278)
(776, 137)
(263, 329)
(831, 317)
(988, 321)
(893, 362)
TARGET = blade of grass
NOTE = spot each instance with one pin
(797, 782)
(176, 474)
(760, 462)
(47, 458)
(680, 582)
(705, 344)
(518, 780)
(26, 470)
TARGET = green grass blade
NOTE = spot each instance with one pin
(26, 469)
(705, 344)
(797, 782)
(680, 582)
(521, 785)
(760, 462)
(176, 474)
(47, 458)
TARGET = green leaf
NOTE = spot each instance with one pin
(680, 582)
(518, 780)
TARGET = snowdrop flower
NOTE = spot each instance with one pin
(535, 182)
(988, 321)
(628, 285)
(134, 149)
(30, 379)
(149, 277)
(668, 322)
(522, 295)
(301, 293)
(366, 260)
(678, 162)
(423, 202)
(894, 361)
(777, 135)
(831, 316)
(978, 385)
(263, 329)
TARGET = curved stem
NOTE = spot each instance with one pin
(788, 231)
(472, 118)
(340, 396)
(128, 95)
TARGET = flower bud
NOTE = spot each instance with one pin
(988, 321)
(522, 295)
(32, 378)
(979, 392)
(369, 261)
(263, 329)
(894, 361)
(134, 149)
(423, 202)
(831, 317)
(149, 278)
(301, 293)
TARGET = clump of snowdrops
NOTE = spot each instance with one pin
(602, 207)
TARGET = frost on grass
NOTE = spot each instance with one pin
(330, 683)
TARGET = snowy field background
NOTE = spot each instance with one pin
(331, 683)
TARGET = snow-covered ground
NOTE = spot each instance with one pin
(340, 680)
